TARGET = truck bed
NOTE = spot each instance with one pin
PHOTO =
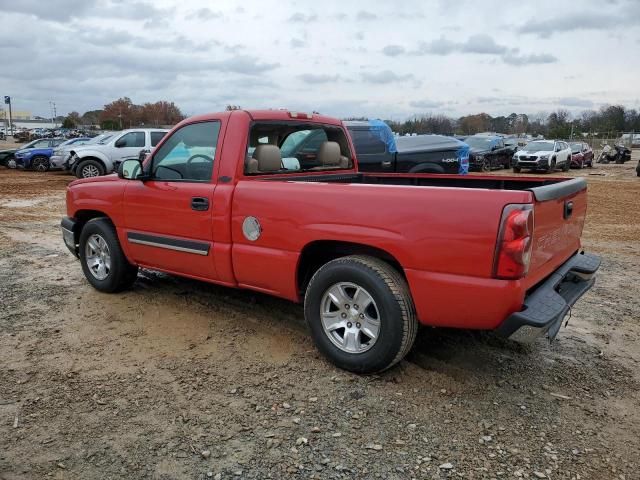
(542, 188)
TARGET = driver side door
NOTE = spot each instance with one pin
(168, 217)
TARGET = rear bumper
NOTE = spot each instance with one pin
(546, 306)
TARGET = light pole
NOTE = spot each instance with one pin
(7, 100)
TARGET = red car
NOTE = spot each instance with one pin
(371, 255)
(581, 155)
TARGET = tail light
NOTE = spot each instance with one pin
(513, 250)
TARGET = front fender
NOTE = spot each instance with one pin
(82, 154)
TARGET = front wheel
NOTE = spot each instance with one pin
(552, 166)
(103, 262)
(89, 168)
(517, 169)
(360, 313)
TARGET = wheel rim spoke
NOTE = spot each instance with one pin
(97, 257)
(350, 317)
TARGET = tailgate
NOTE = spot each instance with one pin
(559, 213)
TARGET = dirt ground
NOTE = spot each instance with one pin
(179, 379)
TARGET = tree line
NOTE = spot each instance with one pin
(123, 113)
(609, 121)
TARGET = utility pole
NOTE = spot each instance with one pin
(7, 100)
(55, 115)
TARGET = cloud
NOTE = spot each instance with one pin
(55, 11)
(385, 76)
(426, 104)
(366, 16)
(518, 60)
(546, 27)
(393, 50)
(318, 78)
(297, 43)
(302, 18)
(244, 64)
(575, 102)
(204, 14)
(483, 44)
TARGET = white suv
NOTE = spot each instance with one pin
(547, 155)
(102, 158)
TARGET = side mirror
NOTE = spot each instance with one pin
(121, 142)
(130, 169)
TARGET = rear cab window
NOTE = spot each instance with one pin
(367, 142)
(288, 147)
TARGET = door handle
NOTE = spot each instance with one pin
(200, 204)
(386, 163)
(568, 209)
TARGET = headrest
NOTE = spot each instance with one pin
(269, 158)
(329, 154)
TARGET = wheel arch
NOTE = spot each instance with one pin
(83, 216)
(317, 253)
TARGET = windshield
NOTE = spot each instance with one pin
(479, 142)
(540, 146)
(576, 147)
(30, 144)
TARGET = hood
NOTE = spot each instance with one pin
(478, 151)
(105, 178)
(9, 150)
(537, 152)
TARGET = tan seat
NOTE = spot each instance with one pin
(329, 155)
(268, 158)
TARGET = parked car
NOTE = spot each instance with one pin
(36, 154)
(62, 151)
(99, 159)
(581, 155)
(545, 155)
(21, 136)
(379, 151)
(488, 153)
(372, 255)
(7, 157)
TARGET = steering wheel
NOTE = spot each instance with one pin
(190, 169)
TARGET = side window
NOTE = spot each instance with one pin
(156, 137)
(187, 155)
(42, 144)
(131, 139)
(367, 142)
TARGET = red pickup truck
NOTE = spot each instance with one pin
(372, 256)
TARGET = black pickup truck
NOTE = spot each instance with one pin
(378, 150)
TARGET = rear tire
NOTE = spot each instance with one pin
(365, 338)
(89, 169)
(566, 165)
(103, 262)
(40, 164)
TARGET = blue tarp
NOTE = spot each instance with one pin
(385, 134)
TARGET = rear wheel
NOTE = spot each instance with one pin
(360, 313)
(103, 262)
(89, 168)
(40, 164)
(566, 165)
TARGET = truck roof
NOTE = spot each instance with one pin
(279, 114)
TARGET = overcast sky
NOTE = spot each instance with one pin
(344, 58)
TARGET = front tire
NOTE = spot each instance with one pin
(40, 164)
(103, 262)
(552, 166)
(360, 313)
(517, 169)
(89, 169)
